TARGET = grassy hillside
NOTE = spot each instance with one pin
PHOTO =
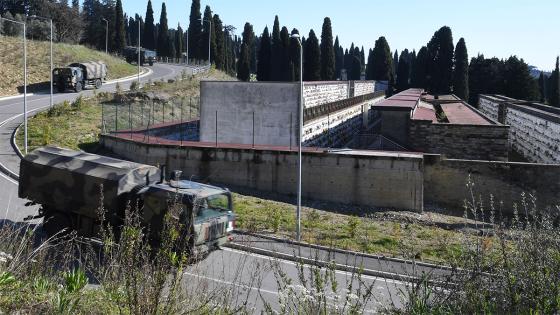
(38, 63)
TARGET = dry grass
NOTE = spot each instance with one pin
(38, 62)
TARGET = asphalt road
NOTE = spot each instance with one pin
(243, 278)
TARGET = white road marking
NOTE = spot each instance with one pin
(244, 286)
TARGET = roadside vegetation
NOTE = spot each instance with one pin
(38, 63)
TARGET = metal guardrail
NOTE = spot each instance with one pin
(323, 110)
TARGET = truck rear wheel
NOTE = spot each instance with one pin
(78, 87)
(98, 84)
(56, 224)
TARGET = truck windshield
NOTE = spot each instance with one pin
(213, 206)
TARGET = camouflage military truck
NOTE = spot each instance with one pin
(70, 187)
(80, 75)
(146, 56)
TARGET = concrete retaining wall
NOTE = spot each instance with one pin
(445, 182)
(257, 113)
(475, 142)
(368, 179)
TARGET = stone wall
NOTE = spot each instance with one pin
(475, 142)
(364, 87)
(318, 93)
(534, 128)
(445, 183)
(368, 179)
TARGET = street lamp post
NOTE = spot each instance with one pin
(51, 21)
(106, 34)
(300, 136)
(139, 49)
(187, 47)
(24, 80)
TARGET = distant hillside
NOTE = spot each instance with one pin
(536, 73)
(38, 63)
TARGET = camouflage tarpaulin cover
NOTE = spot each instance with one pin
(92, 70)
(70, 180)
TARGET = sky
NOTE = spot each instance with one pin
(501, 28)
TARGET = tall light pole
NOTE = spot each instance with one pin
(47, 19)
(24, 80)
(106, 34)
(187, 47)
(209, 37)
(300, 136)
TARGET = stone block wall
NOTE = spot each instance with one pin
(534, 128)
(476, 142)
(445, 183)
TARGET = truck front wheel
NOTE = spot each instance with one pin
(78, 87)
(56, 224)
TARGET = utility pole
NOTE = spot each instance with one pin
(300, 140)
(106, 34)
(139, 49)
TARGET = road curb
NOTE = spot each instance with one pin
(347, 252)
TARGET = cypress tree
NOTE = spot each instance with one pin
(403, 70)
(179, 35)
(440, 61)
(339, 58)
(195, 31)
(148, 40)
(295, 56)
(461, 71)
(369, 66)
(382, 62)
(554, 98)
(265, 53)
(244, 63)
(287, 73)
(395, 63)
(119, 40)
(418, 73)
(277, 52)
(312, 51)
(363, 58)
(220, 43)
(518, 81)
(208, 33)
(163, 33)
(328, 62)
(542, 87)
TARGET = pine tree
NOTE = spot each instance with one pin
(382, 62)
(265, 53)
(403, 70)
(554, 90)
(195, 32)
(461, 71)
(518, 81)
(163, 35)
(312, 51)
(328, 62)
(219, 60)
(148, 40)
(277, 52)
(440, 61)
(120, 33)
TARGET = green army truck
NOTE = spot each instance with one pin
(78, 76)
(70, 186)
